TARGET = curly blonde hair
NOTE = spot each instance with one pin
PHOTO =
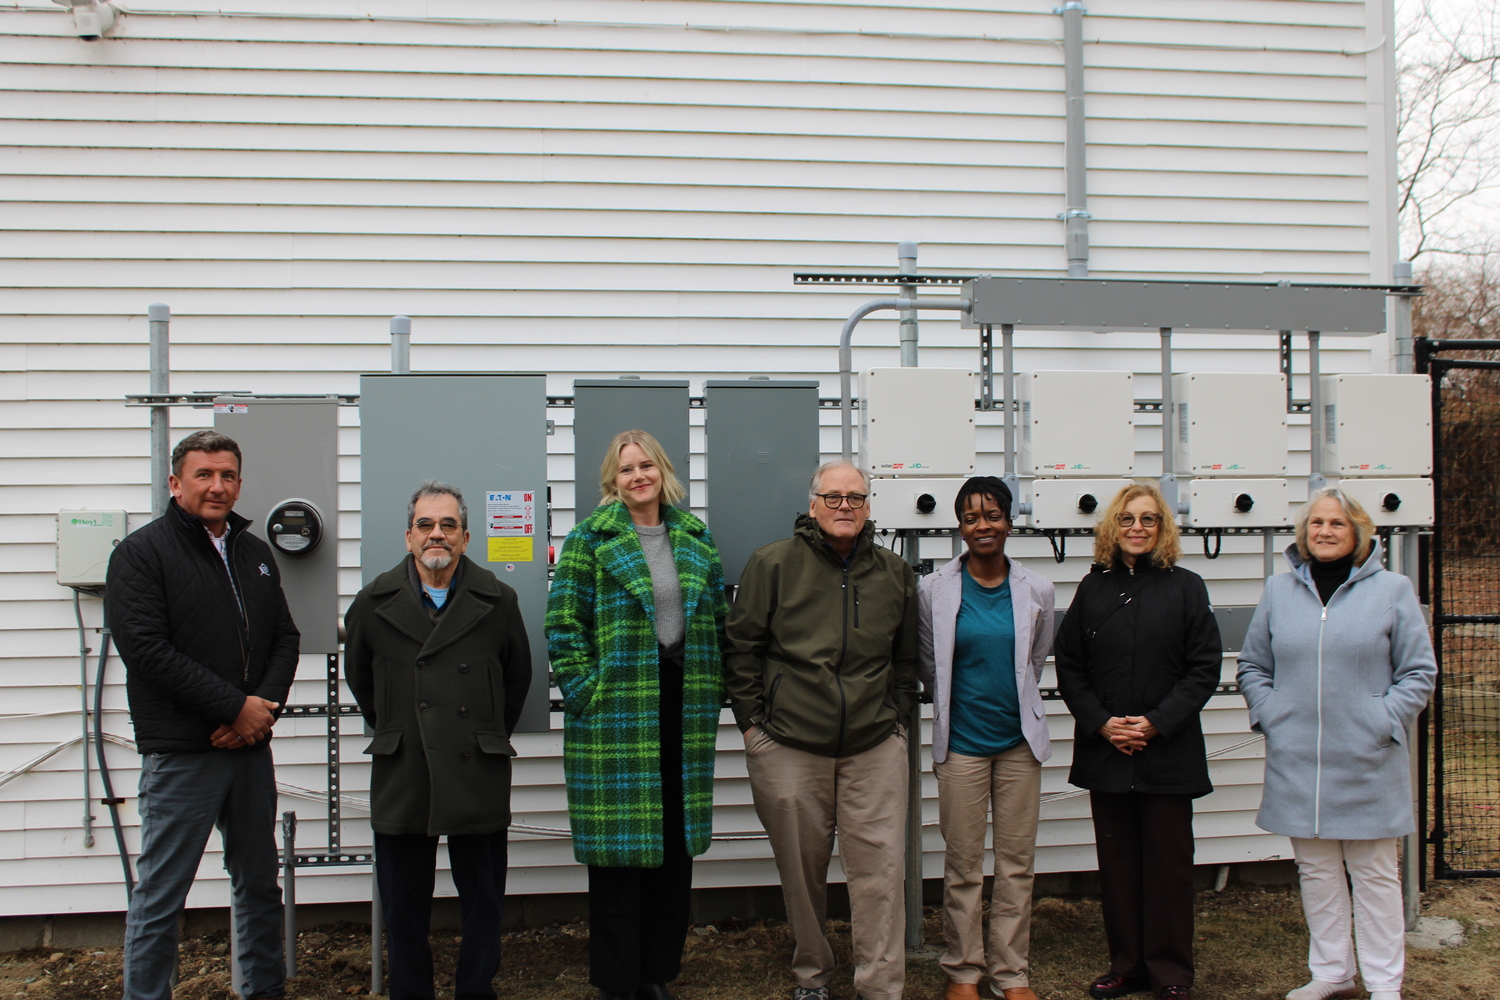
(672, 489)
(1107, 531)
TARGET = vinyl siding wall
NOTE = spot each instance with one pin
(619, 188)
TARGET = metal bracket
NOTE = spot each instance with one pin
(1074, 213)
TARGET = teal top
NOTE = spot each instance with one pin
(986, 708)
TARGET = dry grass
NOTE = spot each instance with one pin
(1251, 946)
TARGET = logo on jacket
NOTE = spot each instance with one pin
(265, 570)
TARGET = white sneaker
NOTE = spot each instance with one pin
(1317, 990)
(1386, 995)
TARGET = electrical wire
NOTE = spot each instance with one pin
(83, 684)
(110, 798)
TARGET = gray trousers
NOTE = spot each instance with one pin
(183, 796)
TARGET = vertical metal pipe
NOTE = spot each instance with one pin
(159, 317)
(1315, 478)
(83, 686)
(289, 889)
(1012, 414)
(1076, 216)
(1268, 553)
(914, 834)
(400, 345)
(1169, 489)
(377, 931)
(1402, 360)
(906, 255)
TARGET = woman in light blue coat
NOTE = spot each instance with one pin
(1335, 668)
(984, 630)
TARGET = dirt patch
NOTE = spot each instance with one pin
(1251, 946)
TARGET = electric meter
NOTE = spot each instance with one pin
(295, 527)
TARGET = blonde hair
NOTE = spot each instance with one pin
(1107, 531)
(1364, 526)
(672, 489)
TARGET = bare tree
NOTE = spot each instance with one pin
(1461, 299)
(1448, 124)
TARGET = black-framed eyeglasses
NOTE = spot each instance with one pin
(425, 525)
(834, 500)
(1147, 520)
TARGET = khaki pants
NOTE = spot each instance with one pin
(802, 799)
(968, 787)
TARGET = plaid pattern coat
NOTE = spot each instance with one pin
(601, 637)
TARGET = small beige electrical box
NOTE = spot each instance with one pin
(1076, 424)
(916, 421)
(1229, 424)
(85, 539)
(1377, 425)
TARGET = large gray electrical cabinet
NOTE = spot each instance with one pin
(603, 408)
(761, 448)
(487, 435)
(289, 447)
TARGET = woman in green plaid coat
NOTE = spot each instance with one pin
(635, 632)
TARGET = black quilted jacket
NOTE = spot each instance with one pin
(190, 656)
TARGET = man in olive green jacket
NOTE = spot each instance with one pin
(438, 659)
(822, 676)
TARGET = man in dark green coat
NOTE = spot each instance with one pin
(438, 660)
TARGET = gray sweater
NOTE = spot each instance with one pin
(665, 583)
(1334, 690)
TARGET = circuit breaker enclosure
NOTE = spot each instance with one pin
(1229, 424)
(1377, 425)
(1071, 503)
(1237, 503)
(85, 539)
(1076, 424)
(1393, 503)
(916, 421)
(914, 503)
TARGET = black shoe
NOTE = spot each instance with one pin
(653, 991)
(1175, 993)
(606, 995)
(1110, 985)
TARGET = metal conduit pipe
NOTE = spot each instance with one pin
(846, 354)
(159, 316)
(400, 345)
(1075, 217)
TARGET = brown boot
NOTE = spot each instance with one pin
(963, 991)
(1019, 993)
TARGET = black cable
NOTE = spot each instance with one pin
(1058, 553)
(110, 799)
(1218, 537)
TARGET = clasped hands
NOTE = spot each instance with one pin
(1128, 733)
(252, 724)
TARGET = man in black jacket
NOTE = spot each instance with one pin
(196, 609)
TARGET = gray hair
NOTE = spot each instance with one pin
(205, 441)
(1364, 525)
(433, 488)
(817, 478)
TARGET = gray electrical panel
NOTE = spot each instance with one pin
(603, 408)
(761, 449)
(487, 435)
(290, 466)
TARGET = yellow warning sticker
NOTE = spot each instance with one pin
(510, 549)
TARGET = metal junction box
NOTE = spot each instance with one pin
(1076, 424)
(489, 438)
(85, 540)
(1377, 425)
(1229, 424)
(760, 449)
(916, 421)
(1071, 503)
(290, 448)
(603, 408)
(1237, 503)
(918, 502)
(1393, 503)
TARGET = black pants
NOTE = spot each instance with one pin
(1145, 845)
(405, 865)
(638, 917)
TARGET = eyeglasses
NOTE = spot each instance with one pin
(425, 525)
(1147, 520)
(834, 500)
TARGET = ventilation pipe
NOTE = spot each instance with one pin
(1075, 217)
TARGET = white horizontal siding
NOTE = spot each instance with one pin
(586, 197)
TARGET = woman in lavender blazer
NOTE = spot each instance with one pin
(985, 629)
